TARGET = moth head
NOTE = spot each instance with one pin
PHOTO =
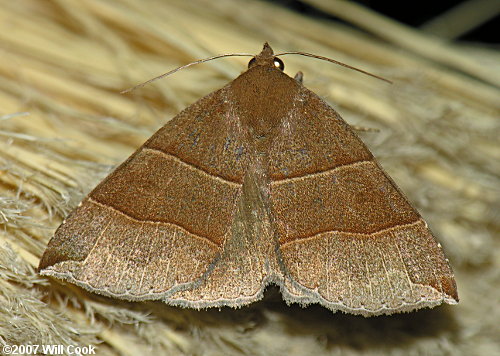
(266, 58)
(278, 63)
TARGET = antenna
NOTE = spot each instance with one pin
(185, 66)
(336, 62)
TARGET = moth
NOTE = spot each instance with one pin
(260, 182)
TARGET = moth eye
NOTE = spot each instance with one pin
(278, 63)
(251, 63)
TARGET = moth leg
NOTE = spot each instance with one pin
(299, 77)
(364, 129)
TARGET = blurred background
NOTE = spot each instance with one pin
(465, 21)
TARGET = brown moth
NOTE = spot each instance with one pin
(259, 182)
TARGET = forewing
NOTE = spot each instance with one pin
(348, 237)
(157, 223)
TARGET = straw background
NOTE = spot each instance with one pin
(64, 126)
